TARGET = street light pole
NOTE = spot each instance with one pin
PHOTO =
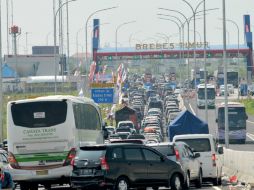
(180, 33)
(206, 106)
(68, 39)
(118, 27)
(100, 10)
(55, 15)
(225, 74)
(238, 51)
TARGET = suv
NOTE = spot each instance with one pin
(182, 153)
(210, 154)
(123, 166)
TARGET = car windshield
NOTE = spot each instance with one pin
(198, 145)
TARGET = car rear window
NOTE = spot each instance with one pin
(91, 153)
(165, 150)
(198, 145)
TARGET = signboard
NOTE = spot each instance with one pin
(102, 95)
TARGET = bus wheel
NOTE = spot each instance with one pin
(24, 186)
(33, 186)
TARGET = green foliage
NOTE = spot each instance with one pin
(249, 105)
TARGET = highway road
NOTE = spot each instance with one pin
(249, 146)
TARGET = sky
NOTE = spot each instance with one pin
(35, 18)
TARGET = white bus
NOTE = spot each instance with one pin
(43, 134)
(210, 95)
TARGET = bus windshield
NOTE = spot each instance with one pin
(210, 93)
(236, 117)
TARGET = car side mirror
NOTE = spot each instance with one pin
(216, 120)
(220, 150)
(246, 117)
(196, 155)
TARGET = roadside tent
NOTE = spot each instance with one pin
(187, 123)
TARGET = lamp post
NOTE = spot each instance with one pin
(116, 33)
(194, 12)
(180, 32)
(238, 44)
(225, 72)
(188, 32)
(86, 26)
(55, 15)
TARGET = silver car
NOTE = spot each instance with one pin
(180, 152)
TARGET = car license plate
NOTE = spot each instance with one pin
(42, 172)
(86, 171)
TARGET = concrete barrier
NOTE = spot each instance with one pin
(239, 163)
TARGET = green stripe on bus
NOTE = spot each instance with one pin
(40, 157)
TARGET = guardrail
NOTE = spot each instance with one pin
(239, 163)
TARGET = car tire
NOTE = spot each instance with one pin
(122, 183)
(187, 181)
(176, 182)
(198, 182)
(217, 180)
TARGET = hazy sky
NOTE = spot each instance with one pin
(36, 18)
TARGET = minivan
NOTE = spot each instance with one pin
(210, 154)
(124, 166)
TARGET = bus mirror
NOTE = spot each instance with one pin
(216, 120)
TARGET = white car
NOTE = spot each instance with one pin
(129, 124)
(210, 155)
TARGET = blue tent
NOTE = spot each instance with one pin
(187, 123)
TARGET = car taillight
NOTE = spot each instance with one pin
(12, 161)
(214, 159)
(177, 155)
(104, 164)
(70, 157)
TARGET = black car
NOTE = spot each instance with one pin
(123, 166)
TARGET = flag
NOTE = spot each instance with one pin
(113, 77)
(119, 75)
(104, 69)
(98, 77)
(92, 71)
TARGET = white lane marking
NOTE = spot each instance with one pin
(216, 188)
(251, 136)
(192, 110)
(250, 122)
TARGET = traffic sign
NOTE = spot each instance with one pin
(103, 95)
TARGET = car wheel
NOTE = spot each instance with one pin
(187, 181)
(198, 182)
(155, 188)
(217, 180)
(176, 183)
(122, 183)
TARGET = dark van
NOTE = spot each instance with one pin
(124, 166)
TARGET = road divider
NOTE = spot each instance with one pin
(239, 163)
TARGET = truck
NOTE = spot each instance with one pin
(127, 114)
(187, 123)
